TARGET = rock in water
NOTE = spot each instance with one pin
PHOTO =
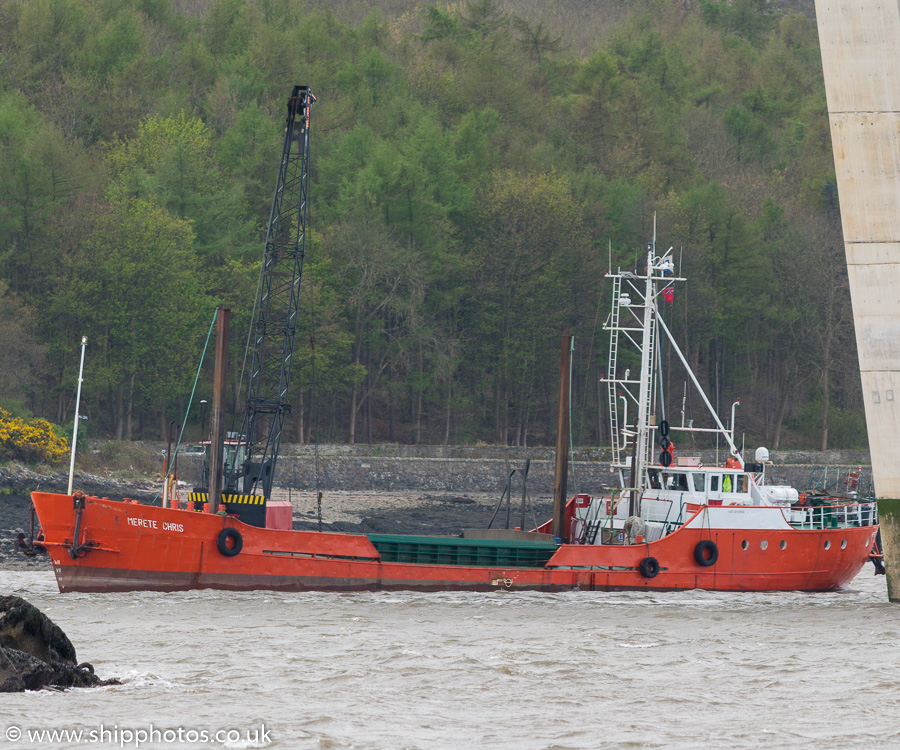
(10, 679)
(35, 653)
(34, 673)
(25, 628)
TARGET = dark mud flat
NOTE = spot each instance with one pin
(15, 510)
(15, 515)
(434, 515)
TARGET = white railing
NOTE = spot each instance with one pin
(834, 516)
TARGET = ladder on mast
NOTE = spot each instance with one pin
(612, 386)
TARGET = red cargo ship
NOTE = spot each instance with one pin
(126, 546)
(671, 525)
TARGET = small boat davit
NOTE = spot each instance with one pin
(672, 523)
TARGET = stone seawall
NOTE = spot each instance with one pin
(486, 468)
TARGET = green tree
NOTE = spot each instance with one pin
(173, 161)
(528, 251)
(133, 291)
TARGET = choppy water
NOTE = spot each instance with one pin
(461, 670)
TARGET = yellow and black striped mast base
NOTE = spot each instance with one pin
(203, 497)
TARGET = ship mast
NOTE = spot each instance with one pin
(647, 392)
(634, 327)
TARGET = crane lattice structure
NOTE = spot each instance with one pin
(278, 301)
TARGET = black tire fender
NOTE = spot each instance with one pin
(237, 542)
(706, 553)
(649, 567)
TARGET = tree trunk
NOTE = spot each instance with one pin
(131, 379)
(419, 400)
(129, 407)
(497, 431)
(352, 437)
(825, 400)
(419, 417)
(354, 393)
(300, 416)
(368, 407)
(391, 414)
(118, 411)
(447, 420)
(779, 417)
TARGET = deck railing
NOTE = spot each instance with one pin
(834, 516)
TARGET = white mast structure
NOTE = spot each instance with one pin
(635, 325)
(77, 415)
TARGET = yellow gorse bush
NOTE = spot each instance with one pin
(30, 441)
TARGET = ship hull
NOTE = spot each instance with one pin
(126, 546)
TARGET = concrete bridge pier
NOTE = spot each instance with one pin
(860, 44)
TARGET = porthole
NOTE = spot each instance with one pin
(843, 544)
(828, 544)
(763, 544)
(783, 544)
(745, 544)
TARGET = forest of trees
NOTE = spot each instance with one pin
(475, 165)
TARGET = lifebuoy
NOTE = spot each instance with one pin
(706, 553)
(237, 542)
(649, 567)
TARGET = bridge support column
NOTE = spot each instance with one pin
(889, 518)
(860, 44)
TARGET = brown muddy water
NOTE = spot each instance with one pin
(462, 670)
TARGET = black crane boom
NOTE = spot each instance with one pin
(277, 305)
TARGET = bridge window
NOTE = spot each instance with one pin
(699, 482)
(676, 481)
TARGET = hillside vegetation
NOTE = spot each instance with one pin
(476, 167)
